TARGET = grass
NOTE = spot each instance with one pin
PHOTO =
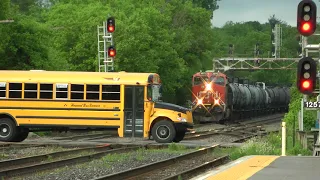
(268, 145)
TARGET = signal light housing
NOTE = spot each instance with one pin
(111, 24)
(111, 51)
(307, 17)
(306, 75)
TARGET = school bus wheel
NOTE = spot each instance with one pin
(179, 136)
(163, 131)
(8, 130)
(21, 135)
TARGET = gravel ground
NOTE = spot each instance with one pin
(206, 127)
(106, 165)
(220, 139)
(13, 153)
(178, 167)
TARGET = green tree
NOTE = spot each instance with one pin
(4, 9)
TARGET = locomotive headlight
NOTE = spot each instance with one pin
(208, 87)
(216, 101)
(199, 101)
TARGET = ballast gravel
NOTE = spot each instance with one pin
(109, 164)
(178, 167)
(20, 152)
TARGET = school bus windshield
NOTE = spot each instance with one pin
(154, 92)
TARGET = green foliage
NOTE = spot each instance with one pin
(176, 147)
(255, 146)
(291, 118)
(270, 145)
(4, 9)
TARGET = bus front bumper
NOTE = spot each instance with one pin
(183, 126)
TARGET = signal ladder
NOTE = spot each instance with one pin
(106, 63)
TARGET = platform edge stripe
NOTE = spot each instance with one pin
(221, 168)
(265, 164)
(244, 169)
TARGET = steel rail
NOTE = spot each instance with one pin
(24, 167)
(157, 165)
(149, 168)
(230, 130)
(199, 169)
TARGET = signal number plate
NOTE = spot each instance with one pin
(311, 104)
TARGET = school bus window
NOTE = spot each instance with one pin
(110, 92)
(77, 91)
(2, 89)
(46, 91)
(15, 90)
(61, 91)
(92, 92)
(30, 90)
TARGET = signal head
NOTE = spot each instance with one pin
(111, 24)
(307, 17)
(306, 75)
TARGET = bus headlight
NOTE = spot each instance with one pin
(199, 101)
(182, 119)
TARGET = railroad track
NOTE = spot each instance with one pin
(6, 146)
(27, 165)
(244, 121)
(243, 129)
(183, 166)
(88, 136)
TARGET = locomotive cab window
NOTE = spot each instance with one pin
(219, 81)
(197, 81)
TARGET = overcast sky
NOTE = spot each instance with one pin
(257, 10)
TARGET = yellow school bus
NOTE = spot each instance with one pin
(128, 102)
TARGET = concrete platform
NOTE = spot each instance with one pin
(267, 168)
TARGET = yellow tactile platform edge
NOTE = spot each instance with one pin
(245, 169)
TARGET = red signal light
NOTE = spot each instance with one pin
(111, 52)
(306, 84)
(110, 29)
(306, 27)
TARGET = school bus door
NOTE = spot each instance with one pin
(133, 111)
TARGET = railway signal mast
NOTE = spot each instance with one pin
(276, 40)
(307, 67)
(106, 53)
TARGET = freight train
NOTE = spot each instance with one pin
(218, 98)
